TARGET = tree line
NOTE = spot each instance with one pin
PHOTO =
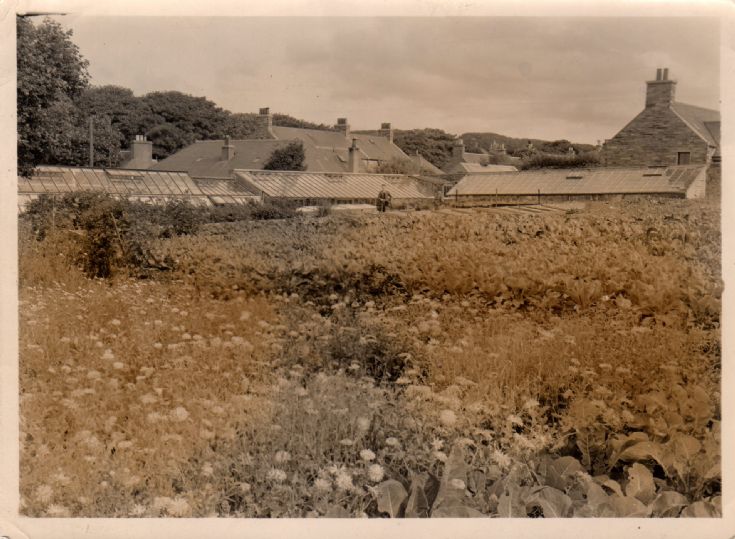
(56, 103)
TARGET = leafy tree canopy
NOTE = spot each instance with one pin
(51, 75)
(290, 157)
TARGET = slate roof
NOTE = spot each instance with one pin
(203, 159)
(597, 181)
(704, 122)
(476, 167)
(229, 191)
(321, 185)
(143, 185)
(328, 151)
(325, 151)
(478, 158)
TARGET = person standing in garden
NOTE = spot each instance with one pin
(384, 199)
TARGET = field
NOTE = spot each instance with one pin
(429, 363)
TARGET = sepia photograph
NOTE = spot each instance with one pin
(368, 267)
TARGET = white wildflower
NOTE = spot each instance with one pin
(282, 456)
(367, 455)
(58, 511)
(276, 475)
(43, 493)
(457, 483)
(447, 418)
(178, 507)
(375, 473)
(391, 441)
(363, 424)
(324, 485)
(344, 480)
(180, 413)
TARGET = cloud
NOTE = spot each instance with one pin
(575, 78)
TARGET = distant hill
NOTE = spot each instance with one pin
(480, 142)
(436, 145)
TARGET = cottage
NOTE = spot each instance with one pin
(338, 150)
(553, 185)
(666, 132)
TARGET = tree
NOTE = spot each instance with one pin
(167, 139)
(126, 113)
(51, 75)
(434, 144)
(290, 157)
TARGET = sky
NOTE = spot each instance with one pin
(580, 79)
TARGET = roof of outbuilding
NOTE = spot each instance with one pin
(143, 185)
(704, 122)
(476, 167)
(675, 179)
(478, 158)
(203, 159)
(282, 184)
(229, 191)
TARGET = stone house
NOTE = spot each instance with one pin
(666, 132)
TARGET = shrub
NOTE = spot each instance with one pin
(290, 157)
(550, 160)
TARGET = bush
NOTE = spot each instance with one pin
(290, 157)
(550, 160)
(110, 233)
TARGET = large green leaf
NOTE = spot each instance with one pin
(627, 506)
(701, 509)
(390, 495)
(553, 502)
(510, 504)
(641, 452)
(640, 483)
(668, 504)
(424, 487)
(455, 473)
(559, 472)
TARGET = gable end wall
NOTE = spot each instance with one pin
(654, 137)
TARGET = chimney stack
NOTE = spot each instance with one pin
(660, 92)
(458, 150)
(386, 131)
(228, 150)
(265, 123)
(354, 157)
(343, 127)
(142, 152)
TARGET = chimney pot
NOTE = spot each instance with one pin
(386, 131)
(228, 150)
(354, 157)
(265, 123)
(343, 127)
(660, 92)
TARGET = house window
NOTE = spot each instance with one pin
(683, 158)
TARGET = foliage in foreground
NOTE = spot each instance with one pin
(529, 377)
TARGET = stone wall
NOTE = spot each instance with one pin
(654, 137)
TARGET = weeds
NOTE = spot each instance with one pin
(428, 365)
